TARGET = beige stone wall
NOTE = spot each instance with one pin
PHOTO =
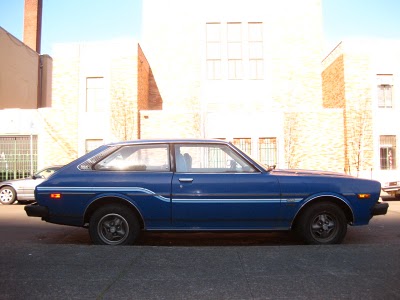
(182, 124)
(314, 140)
(358, 113)
(175, 46)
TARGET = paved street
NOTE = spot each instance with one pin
(46, 261)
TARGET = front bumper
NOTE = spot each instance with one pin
(379, 208)
(35, 210)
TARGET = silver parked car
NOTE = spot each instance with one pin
(392, 188)
(23, 189)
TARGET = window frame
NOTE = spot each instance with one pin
(95, 94)
(385, 90)
(387, 152)
(213, 61)
(256, 62)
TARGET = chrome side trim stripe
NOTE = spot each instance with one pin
(196, 200)
(91, 190)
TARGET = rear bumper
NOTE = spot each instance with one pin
(379, 208)
(393, 188)
(35, 210)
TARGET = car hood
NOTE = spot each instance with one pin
(16, 180)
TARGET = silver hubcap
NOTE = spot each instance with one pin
(6, 195)
(324, 227)
(113, 229)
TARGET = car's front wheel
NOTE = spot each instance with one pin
(7, 195)
(113, 225)
(322, 223)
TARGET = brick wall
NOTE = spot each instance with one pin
(33, 24)
(333, 85)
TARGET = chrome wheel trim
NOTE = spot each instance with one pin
(324, 227)
(113, 229)
(6, 195)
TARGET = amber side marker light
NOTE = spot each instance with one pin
(55, 196)
(364, 196)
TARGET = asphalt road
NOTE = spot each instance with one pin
(39, 260)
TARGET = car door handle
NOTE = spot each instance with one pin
(185, 179)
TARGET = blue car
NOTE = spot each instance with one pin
(121, 189)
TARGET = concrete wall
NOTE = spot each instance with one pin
(25, 76)
(18, 73)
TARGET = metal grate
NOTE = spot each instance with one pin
(243, 144)
(267, 151)
(388, 152)
(18, 156)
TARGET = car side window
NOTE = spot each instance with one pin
(148, 158)
(199, 158)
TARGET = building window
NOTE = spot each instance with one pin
(267, 151)
(243, 144)
(388, 152)
(256, 61)
(92, 144)
(234, 44)
(213, 50)
(95, 95)
(385, 90)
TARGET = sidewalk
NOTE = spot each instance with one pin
(394, 205)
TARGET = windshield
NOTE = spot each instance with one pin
(46, 173)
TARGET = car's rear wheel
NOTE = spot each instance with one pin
(113, 225)
(322, 223)
(7, 195)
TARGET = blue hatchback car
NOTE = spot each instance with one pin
(121, 189)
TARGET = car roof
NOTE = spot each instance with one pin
(176, 141)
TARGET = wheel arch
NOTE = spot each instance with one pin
(325, 199)
(113, 200)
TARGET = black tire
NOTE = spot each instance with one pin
(7, 195)
(113, 225)
(322, 224)
(397, 196)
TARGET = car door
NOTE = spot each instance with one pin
(27, 188)
(215, 188)
(140, 174)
